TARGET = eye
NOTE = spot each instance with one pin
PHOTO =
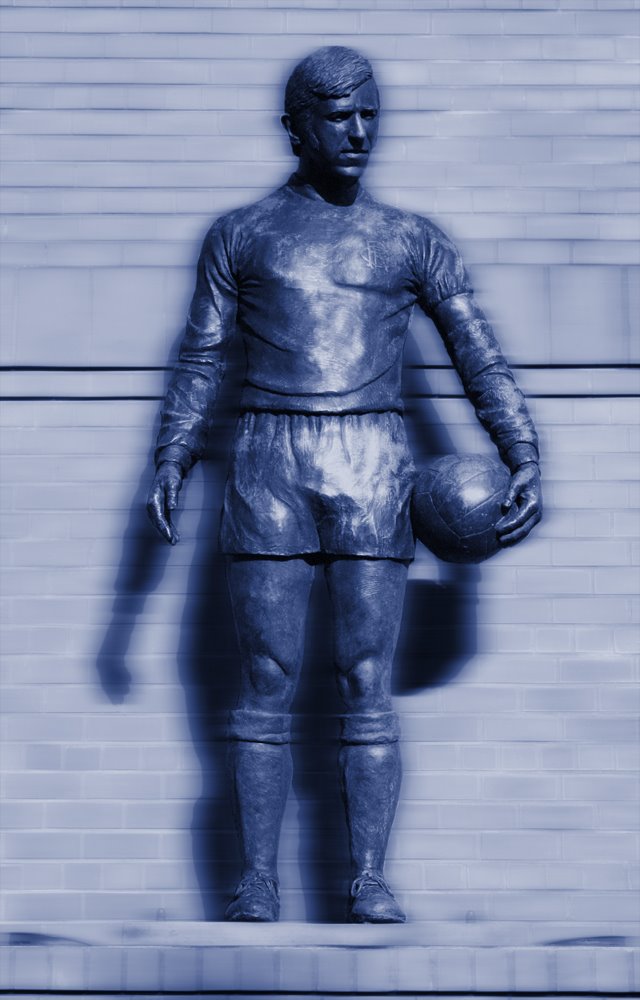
(369, 113)
(338, 116)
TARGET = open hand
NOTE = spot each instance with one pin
(522, 505)
(163, 498)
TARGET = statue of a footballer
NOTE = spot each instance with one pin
(322, 279)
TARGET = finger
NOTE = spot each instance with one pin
(521, 532)
(517, 516)
(156, 515)
(510, 496)
(173, 489)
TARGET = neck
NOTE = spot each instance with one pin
(336, 190)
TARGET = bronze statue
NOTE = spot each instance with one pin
(322, 279)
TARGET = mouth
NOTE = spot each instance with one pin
(354, 156)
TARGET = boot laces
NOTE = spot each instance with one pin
(258, 880)
(369, 880)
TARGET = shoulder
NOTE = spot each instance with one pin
(412, 225)
(436, 262)
(244, 219)
(230, 234)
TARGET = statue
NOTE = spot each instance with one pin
(321, 279)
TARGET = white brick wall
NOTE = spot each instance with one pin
(127, 128)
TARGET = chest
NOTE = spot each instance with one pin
(316, 256)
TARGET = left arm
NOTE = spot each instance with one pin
(500, 407)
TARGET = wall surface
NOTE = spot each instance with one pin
(127, 128)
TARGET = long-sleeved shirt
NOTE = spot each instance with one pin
(323, 295)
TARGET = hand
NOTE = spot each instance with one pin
(163, 498)
(522, 505)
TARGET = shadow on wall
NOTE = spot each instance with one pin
(437, 638)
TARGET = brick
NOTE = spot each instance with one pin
(42, 876)
(440, 876)
(220, 968)
(598, 787)
(520, 786)
(181, 969)
(454, 968)
(68, 968)
(566, 699)
(104, 968)
(83, 875)
(600, 553)
(533, 726)
(618, 815)
(298, 969)
(626, 640)
(83, 815)
(416, 969)
(258, 970)
(529, 905)
(48, 906)
(575, 968)
(519, 757)
(376, 969)
(625, 699)
(31, 968)
(584, 846)
(142, 968)
(615, 22)
(441, 787)
(21, 815)
(531, 969)
(606, 876)
(118, 844)
(519, 845)
(560, 581)
(123, 876)
(614, 668)
(476, 815)
(591, 729)
(613, 970)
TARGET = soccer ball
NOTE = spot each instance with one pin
(456, 504)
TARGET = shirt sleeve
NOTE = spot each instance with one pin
(442, 271)
(446, 296)
(193, 388)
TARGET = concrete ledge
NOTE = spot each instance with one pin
(310, 959)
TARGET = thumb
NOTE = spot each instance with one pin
(172, 495)
(510, 495)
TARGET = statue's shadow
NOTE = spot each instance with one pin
(437, 638)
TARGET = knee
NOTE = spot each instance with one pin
(270, 681)
(363, 685)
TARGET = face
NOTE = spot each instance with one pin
(341, 132)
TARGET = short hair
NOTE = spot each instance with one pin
(329, 72)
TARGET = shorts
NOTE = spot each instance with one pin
(319, 483)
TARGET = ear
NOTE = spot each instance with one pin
(294, 139)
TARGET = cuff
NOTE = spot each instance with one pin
(259, 727)
(377, 727)
(175, 453)
(519, 454)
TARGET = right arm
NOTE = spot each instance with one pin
(193, 389)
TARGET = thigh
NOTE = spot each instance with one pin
(269, 598)
(367, 597)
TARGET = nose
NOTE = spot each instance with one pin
(357, 132)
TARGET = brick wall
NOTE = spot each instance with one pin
(127, 129)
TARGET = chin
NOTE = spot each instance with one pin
(354, 170)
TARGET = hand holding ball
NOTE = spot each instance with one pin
(456, 505)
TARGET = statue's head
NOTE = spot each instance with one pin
(331, 108)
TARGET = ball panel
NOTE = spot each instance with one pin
(456, 504)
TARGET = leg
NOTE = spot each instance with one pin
(367, 597)
(269, 599)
